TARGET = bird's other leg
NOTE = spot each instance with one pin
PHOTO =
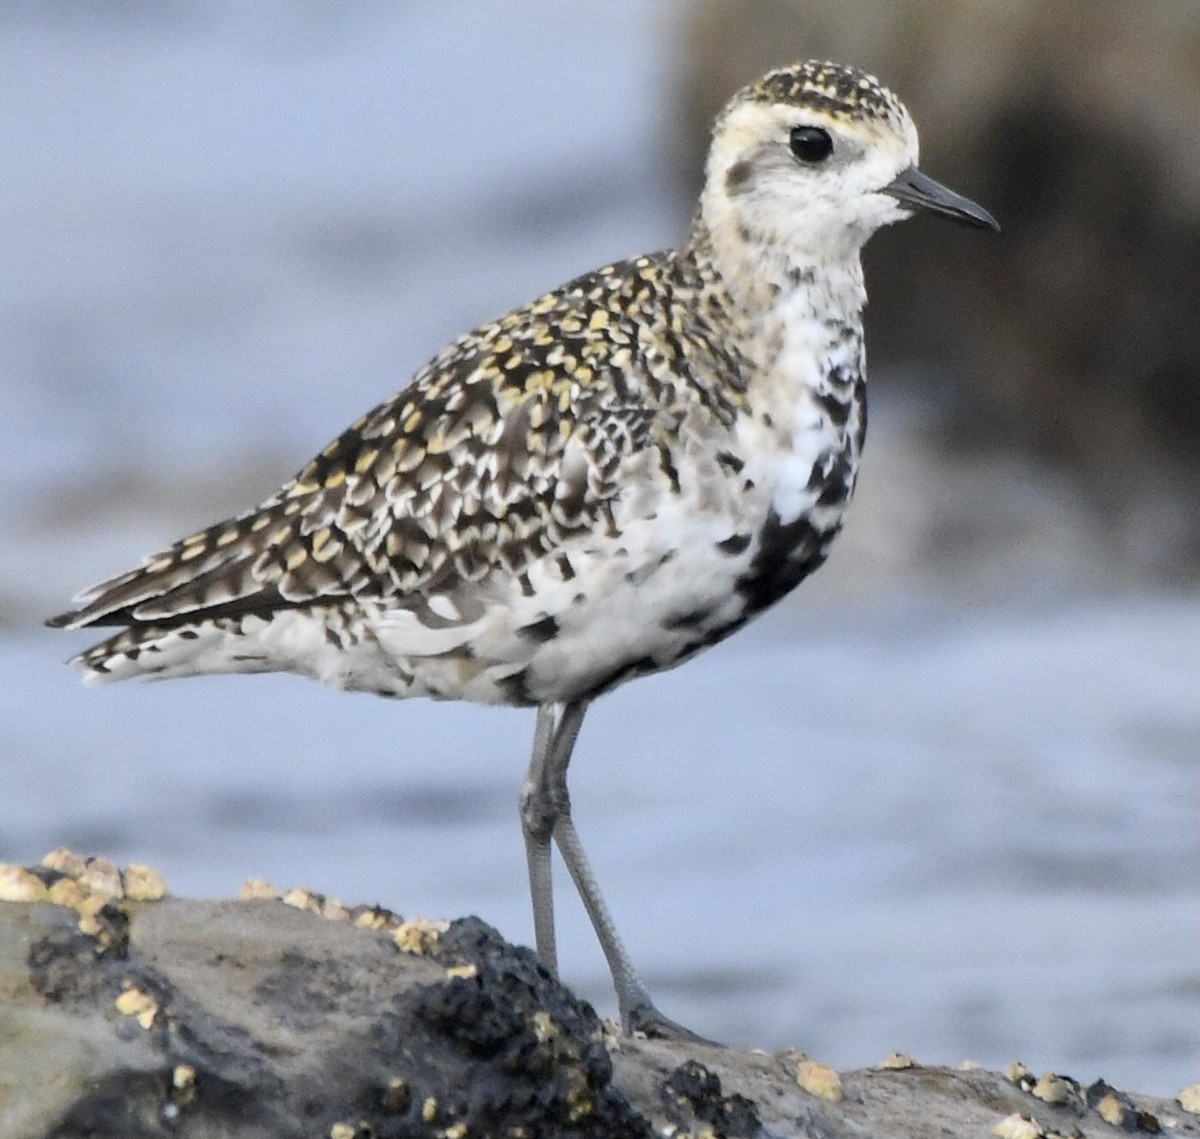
(538, 813)
(638, 1013)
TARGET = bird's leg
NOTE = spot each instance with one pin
(638, 1013)
(538, 813)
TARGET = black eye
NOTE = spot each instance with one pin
(811, 144)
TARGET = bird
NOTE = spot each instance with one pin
(592, 488)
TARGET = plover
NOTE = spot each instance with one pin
(589, 489)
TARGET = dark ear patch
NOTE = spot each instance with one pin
(738, 177)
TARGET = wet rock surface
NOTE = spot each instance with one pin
(261, 1017)
(256, 1017)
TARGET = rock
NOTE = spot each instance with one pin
(258, 1018)
(1069, 334)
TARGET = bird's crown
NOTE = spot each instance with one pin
(844, 92)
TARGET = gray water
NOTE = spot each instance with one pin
(955, 823)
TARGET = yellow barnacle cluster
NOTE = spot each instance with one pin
(95, 888)
(368, 917)
(1019, 1125)
(419, 936)
(20, 885)
(138, 1004)
(819, 1080)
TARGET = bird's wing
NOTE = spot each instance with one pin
(500, 448)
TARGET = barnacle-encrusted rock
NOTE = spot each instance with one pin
(122, 1017)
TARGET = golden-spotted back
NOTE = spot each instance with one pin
(503, 446)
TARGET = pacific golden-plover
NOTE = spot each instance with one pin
(592, 488)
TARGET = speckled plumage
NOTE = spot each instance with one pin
(576, 440)
(841, 91)
(593, 487)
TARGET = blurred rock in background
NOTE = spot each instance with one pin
(1072, 336)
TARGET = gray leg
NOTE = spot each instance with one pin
(546, 813)
(537, 825)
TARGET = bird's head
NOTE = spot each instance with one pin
(812, 159)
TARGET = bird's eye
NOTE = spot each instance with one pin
(811, 144)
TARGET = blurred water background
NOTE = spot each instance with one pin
(943, 800)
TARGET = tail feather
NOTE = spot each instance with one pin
(236, 565)
(156, 653)
(165, 594)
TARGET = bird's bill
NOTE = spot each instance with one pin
(920, 192)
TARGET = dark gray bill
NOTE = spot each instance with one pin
(919, 192)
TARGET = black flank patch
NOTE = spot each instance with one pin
(837, 410)
(842, 376)
(540, 631)
(860, 397)
(833, 493)
(697, 620)
(787, 553)
(514, 688)
(643, 666)
(692, 619)
(720, 634)
(735, 545)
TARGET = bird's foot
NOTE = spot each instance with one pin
(647, 1020)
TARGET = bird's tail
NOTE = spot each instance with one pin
(155, 652)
